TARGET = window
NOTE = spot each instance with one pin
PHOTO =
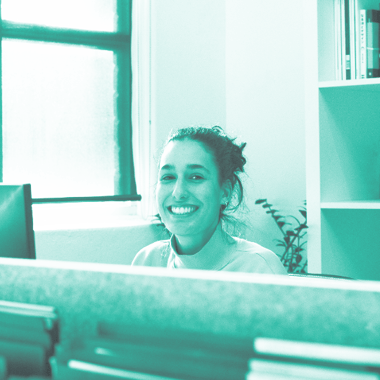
(66, 98)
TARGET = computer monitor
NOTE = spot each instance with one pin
(16, 222)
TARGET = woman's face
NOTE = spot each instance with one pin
(189, 195)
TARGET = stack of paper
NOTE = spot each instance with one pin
(283, 359)
(28, 334)
(127, 353)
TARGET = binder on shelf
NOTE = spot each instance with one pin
(372, 43)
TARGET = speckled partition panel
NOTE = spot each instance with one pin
(233, 304)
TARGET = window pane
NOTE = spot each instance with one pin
(58, 118)
(94, 15)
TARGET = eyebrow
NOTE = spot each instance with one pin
(191, 166)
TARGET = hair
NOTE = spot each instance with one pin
(228, 157)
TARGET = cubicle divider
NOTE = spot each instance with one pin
(227, 304)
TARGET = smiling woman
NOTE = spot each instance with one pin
(198, 186)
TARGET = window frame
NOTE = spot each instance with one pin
(119, 42)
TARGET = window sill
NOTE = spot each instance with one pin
(79, 216)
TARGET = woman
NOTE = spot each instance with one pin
(198, 183)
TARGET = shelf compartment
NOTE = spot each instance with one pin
(351, 243)
(349, 144)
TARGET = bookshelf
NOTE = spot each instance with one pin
(342, 157)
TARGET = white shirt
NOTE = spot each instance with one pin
(221, 252)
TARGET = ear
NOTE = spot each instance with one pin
(226, 191)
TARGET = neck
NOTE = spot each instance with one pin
(190, 245)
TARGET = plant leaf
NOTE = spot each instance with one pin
(281, 224)
(303, 213)
(290, 233)
(259, 201)
(267, 205)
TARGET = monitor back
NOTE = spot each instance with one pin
(16, 222)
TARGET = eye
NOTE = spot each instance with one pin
(196, 177)
(167, 177)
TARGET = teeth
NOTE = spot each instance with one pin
(182, 210)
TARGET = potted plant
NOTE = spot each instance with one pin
(293, 237)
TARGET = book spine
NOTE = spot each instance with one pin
(363, 44)
(338, 40)
(373, 19)
(353, 53)
(343, 39)
(347, 38)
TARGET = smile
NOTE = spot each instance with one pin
(182, 210)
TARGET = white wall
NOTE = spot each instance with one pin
(265, 105)
(188, 64)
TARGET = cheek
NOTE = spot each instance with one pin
(161, 195)
(212, 196)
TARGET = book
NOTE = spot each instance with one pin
(28, 315)
(343, 36)
(318, 352)
(270, 376)
(359, 5)
(24, 359)
(307, 371)
(156, 360)
(13, 377)
(78, 370)
(372, 38)
(338, 39)
(40, 321)
(26, 336)
(233, 346)
(353, 36)
(363, 44)
(347, 39)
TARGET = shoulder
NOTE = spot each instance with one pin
(254, 258)
(153, 254)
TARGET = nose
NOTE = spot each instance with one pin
(180, 190)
